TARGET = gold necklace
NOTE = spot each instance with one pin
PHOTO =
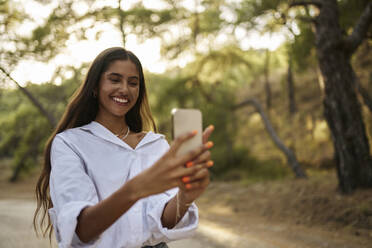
(118, 135)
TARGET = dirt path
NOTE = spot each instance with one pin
(308, 214)
(262, 215)
(259, 233)
(16, 228)
(16, 224)
(215, 230)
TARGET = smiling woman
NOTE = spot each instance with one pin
(118, 91)
(108, 183)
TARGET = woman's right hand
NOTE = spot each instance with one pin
(167, 171)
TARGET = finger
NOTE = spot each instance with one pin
(198, 173)
(204, 157)
(199, 184)
(190, 156)
(181, 171)
(180, 140)
(207, 132)
(208, 164)
(198, 176)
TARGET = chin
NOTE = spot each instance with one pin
(121, 115)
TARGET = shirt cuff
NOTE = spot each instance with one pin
(65, 222)
(185, 227)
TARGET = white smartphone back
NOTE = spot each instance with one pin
(187, 120)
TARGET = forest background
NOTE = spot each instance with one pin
(301, 109)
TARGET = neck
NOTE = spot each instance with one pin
(114, 124)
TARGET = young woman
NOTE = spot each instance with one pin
(106, 182)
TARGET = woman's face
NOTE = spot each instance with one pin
(118, 89)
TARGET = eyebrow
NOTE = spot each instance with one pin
(115, 74)
(119, 75)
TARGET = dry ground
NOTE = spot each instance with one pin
(291, 213)
(293, 208)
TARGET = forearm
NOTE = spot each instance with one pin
(93, 220)
(169, 218)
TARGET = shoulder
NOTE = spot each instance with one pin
(71, 136)
(156, 142)
(157, 137)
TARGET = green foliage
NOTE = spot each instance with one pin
(166, 93)
(350, 10)
(302, 46)
(22, 136)
(147, 23)
(247, 168)
(214, 95)
(24, 130)
(219, 77)
(49, 39)
(209, 21)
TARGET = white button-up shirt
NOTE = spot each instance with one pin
(89, 163)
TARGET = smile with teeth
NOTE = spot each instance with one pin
(120, 100)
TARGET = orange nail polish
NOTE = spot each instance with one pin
(186, 179)
(194, 132)
(210, 163)
(209, 144)
(189, 164)
(188, 186)
(211, 127)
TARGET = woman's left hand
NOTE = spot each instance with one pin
(194, 185)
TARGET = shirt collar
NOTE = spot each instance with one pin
(101, 131)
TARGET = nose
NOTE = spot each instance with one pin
(123, 87)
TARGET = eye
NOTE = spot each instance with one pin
(115, 80)
(133, 83)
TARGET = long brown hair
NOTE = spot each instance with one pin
(81, 110)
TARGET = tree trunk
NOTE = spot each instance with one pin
(17, 170)
(121, 23)
(291, 157)
(267, 83)
(341, 107)
(291, 90)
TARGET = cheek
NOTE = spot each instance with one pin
(103, 88)
(135, 93)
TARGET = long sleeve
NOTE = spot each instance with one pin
(71, 191)
(154, 210)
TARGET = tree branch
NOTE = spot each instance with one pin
(121, 23)
(291, 157)
(306, 19)
(305, 3)
(34, 101)
(208, 97)
(364, 93)
(360, 30)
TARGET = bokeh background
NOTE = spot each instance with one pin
(257, 69)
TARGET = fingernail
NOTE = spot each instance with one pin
(211, 127)
(210, 163)
(188, 186)
(186, 179)
(194, 132)
(189, 164)
(209, 144)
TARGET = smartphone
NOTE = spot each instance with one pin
(187, 120)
